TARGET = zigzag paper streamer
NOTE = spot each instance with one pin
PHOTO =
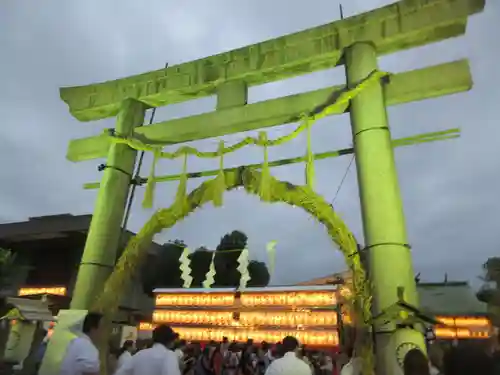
(271, 256)
(185, 268)
(243, 268)
(210, 276)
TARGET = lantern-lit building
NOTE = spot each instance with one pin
(48, 250)
(262, 314)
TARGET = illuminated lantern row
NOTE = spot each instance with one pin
(226, 318)
(463, 328)
(55, 291)
(464, 321)
(215, 318)
(198, 299)
(316, 299)
(289, 318)
(323, 338)
(262, 315)
(460, 333)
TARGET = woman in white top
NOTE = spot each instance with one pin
(125, 353)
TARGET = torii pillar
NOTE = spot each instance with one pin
(101, 247)
(389, 258)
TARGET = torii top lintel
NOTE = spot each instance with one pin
(402, 25)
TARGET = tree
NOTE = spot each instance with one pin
(163, 270)
(7, 267)
(490, 290)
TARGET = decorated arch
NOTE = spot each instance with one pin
(251, 180)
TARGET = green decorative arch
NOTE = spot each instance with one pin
(250, 179)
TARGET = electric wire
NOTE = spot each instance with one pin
(133, 186)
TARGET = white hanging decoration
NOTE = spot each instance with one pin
(243, 268)
(185, 268)
(271, 256)
(210, 276)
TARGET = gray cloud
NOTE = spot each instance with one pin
(449, 189)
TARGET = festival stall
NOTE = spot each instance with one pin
(262, 314)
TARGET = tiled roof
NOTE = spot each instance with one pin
(447, 298)
(451, 298)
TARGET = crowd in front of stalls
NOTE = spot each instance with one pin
(233, 358)
(169, 354)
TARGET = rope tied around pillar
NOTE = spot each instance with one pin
(362, 250)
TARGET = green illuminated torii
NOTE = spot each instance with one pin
(355, 42)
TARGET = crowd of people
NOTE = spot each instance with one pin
(232, 358)
(168, 354)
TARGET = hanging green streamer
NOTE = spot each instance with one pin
(265, 186)
(150, 186)
(309, 158)
(180, 196)
(220, 180)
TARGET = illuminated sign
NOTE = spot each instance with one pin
(29, 291)
(227, 318)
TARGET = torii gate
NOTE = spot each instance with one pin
(355, 42)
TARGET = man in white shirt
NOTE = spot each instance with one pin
(82, 356)
(157, 360)
(289, 364)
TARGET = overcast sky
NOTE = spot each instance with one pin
(451, 190)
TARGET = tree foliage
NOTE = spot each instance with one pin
(490, 290)
(7, 266)
(162, 271)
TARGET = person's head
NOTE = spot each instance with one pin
(435, 353)
(349, 351)
(233, 347)
(468, 360)
(278, 350)
(265, 346)
(415, 363)
(290, 344)
(92, 325)
(128, 346)
(301, 353)
(207, 351)
(164, 335)
(180, 344)
(225, 342)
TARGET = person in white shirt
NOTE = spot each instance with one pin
(289, 364)
(125, 353)
(180, 346)
(354, 365)
(157, 360)
(82, 356)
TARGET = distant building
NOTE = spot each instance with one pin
(452, 302)
(444, 298)
(48, 251)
